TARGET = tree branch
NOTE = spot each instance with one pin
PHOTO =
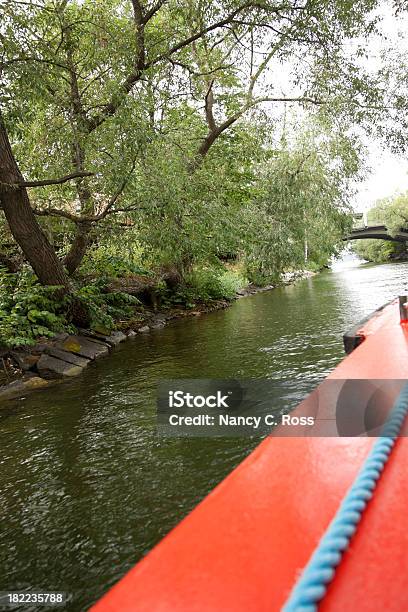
(125, 209)
(209, 103)
(212, 135)
(39, 60)
(141, 65)
(109, 207)
(55, 212)
(58, 181)
(187, 41)
(150, 13)
(299, 99)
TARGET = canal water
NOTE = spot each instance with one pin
(86, 485)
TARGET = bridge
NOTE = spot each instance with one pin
(363, 229)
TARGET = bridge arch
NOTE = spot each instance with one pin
(361, 230)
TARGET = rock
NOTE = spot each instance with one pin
(25, 361)
(112, 339)
(61, 336)
(144, 329)
(39, 348)
(158, 321)
(21, 386)
(157, 324)
(85, 347)
(131, 333)
(159, 318)
(35, 382)
(81, 362)
(100, 329)
(13, 389)
(50, 367)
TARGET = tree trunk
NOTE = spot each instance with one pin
(78, 248)
(22, 222)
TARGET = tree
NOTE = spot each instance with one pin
(303, 206)
(379, 251)
(88, 87)
(21, 219)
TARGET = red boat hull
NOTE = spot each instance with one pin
(244, 546)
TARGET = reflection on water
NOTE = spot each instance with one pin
(86, 486)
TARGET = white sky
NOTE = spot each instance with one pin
(389, 175)
(389, 172)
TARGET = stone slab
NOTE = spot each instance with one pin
(85, 347)
(49, 367)
(72, 358)
(112, 339)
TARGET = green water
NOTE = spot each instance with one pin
(87, 487)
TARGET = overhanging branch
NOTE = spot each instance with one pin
(56, 212)
(57, 181)
(141, 65)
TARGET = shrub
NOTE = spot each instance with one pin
(259, 276)
(27, 309)
(205, 285)
(104, 307)
(231, 282)
(378, 251)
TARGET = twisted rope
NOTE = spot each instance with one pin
(320, 570)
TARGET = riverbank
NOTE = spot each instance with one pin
(51, 361)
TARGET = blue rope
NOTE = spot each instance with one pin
(320, 570)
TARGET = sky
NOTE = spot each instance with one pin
(389, 172)
(389, 176)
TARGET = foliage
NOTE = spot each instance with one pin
(302, 210)
(205, 285)
(189, 218)
(393, 212)
(27, 309)
(109, 260)
(214, 284)
(378, 251)
(169, 105)
(104, 307)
